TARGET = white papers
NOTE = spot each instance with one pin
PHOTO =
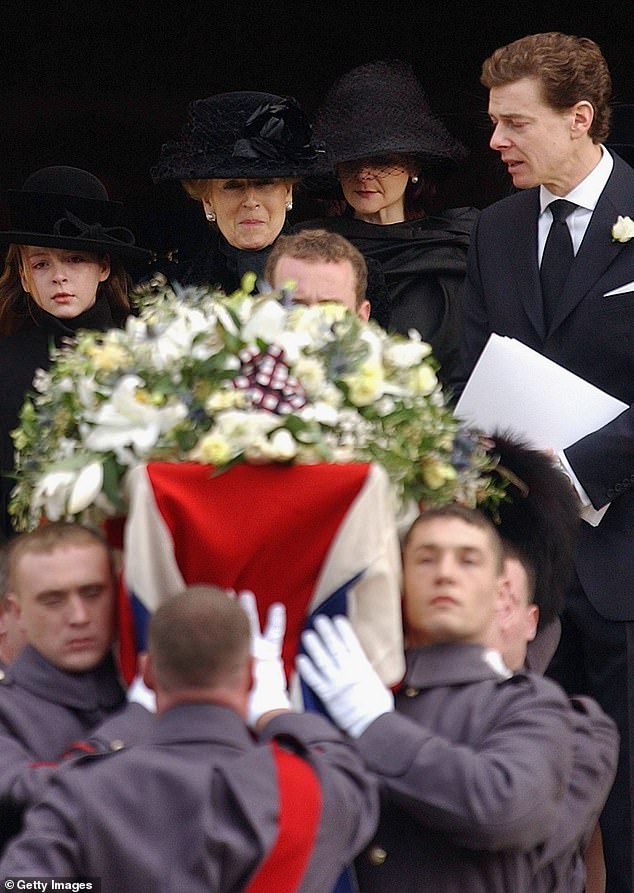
(515, 389)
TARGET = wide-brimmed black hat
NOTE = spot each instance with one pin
(381, 108)
(242, 134)
(67, 207)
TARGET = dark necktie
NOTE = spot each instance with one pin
(557, 258)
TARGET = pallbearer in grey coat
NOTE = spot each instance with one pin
(201, 805)
(64, 682)
(473, 762)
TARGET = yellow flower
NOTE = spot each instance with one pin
(436, 474)
(423, 380)
(310, 372)
(367, 386)
(212, 449)
(20, 439)
(225, 399)
(108, 357)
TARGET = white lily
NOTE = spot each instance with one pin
(124, 421)
(176, 341)
(51, 493)
(88, 484)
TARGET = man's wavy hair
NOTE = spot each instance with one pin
(570, 69)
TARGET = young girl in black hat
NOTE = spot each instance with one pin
(63, 272)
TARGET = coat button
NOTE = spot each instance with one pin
(1, 675)
(117, 744)
(377, 855)
(410, 692)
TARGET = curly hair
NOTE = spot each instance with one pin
(570, 70)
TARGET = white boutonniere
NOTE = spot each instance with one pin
(623, 229)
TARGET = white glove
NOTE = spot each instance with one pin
(340, 674)
(269, 690)
(139, 693)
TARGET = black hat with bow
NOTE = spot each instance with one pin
(67, 207)
(242, 135)
(381, 108)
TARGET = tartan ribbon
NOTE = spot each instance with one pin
(267, 378)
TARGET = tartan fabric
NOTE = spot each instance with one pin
(267, 379)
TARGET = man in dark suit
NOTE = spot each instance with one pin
(548, 103)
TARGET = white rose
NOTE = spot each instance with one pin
(405, 354)
(213, 449)
(242, 429)
(623, 229)
(282, 446)
(266, 323)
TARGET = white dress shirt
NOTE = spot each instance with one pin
(586, 195)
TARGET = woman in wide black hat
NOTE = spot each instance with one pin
(389, 152)
(63, 272)
(240, 155)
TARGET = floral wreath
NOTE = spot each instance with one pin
(201, 376)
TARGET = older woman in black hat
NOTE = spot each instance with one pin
(389, 150)
(63, 272)
(239, 156)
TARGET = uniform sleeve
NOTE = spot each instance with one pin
(49, 842)
(350, 808)
(22, 778)
(596, 750)
(501, 790)
(243, 824)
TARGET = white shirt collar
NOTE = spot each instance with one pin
(586, 194)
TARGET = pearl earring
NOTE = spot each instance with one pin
(210, 216)
(414, 179)
(289, 205)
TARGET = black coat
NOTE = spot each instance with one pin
(424, 263)
(20, 355)
(221, 265)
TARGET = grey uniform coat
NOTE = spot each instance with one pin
(42, 711)
(194, 808)
(473, 767)
(561, 864)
